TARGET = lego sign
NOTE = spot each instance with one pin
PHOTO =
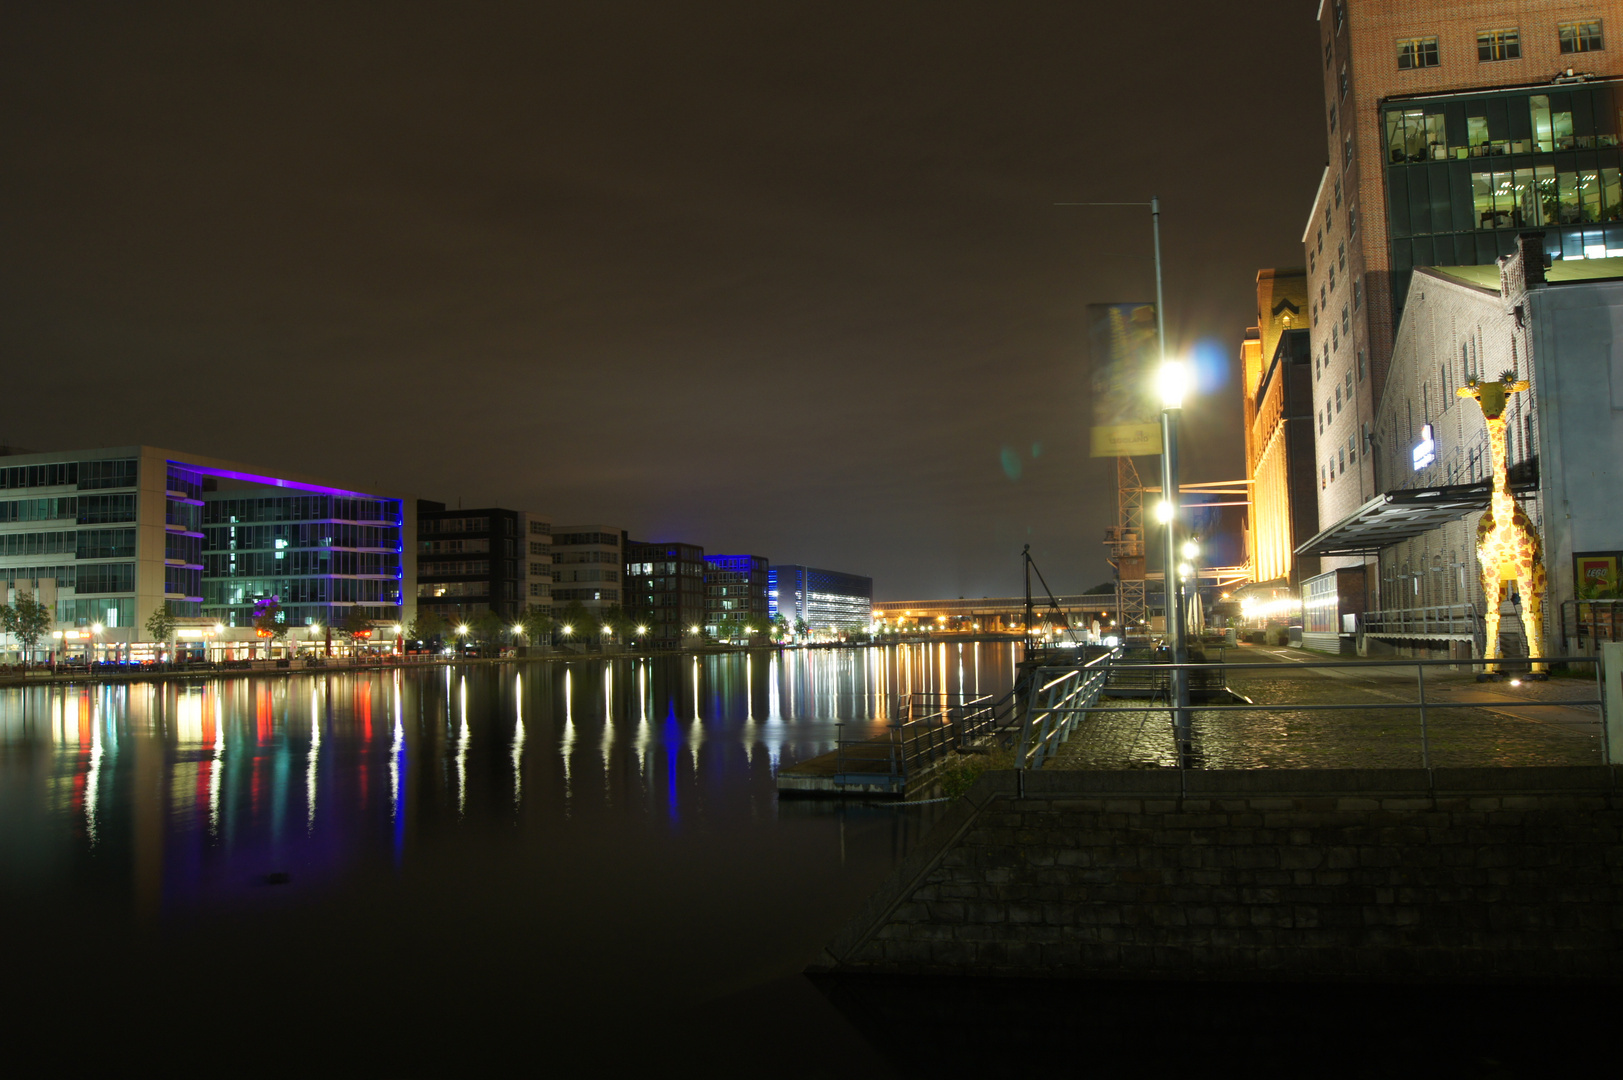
(1595, 571)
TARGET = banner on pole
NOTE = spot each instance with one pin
(1124, 351)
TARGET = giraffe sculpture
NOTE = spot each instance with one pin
(1507, 545)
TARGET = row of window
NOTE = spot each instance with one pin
(272, 508)
(607, 596)
(454, 568)
(580, 539)
(1516, 198)
(1548, 123)
(86, 509)
(585, 575)
(477, 524)
(240, 592)
(235, 564)
(319, 535)
(453, 589)
(1505, 44)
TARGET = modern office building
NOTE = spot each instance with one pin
(1557, 328)
(665, 590)
(1276, 365)
(587, 561)
(122, 531)
(736, 590)
(1450, 128)
(535, 549)
(472, 561)
(827, 601)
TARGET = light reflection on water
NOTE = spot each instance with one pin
(200, 789)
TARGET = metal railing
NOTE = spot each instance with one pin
(931, 727)
(1448, 620)
(1420, 703)
(1058, 698)
(1592, 621)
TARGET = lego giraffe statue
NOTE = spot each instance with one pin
(1507, 545)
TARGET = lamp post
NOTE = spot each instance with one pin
(1173, 380)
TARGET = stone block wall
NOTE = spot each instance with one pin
(1270, 874)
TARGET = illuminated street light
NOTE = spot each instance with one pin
(1163, 511)
(567, 629)
(1191, 548)
(641, 630)
(1174, 381)
(693, 629)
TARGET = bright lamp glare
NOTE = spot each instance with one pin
(1163, 511)
(1191, 548)
(1174, 380)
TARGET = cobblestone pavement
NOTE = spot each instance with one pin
(1496, 733)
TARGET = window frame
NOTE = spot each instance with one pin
(1414, 57)
(1505, 39)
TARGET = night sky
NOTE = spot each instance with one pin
(784, 279)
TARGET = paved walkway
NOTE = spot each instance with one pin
(1494, 730)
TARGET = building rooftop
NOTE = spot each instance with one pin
(1559, 271)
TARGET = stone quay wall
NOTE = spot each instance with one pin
(1465, 874)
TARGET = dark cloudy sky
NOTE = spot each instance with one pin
(783, 278)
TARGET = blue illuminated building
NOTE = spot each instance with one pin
(108, 536)
(827, 601)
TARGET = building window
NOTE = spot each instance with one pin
(1343, 80)
(1338, 401)
(1341, 256)
(1342, 454)
(1419, 53)
(1352, 221)
(1352, 449)
(1349, 385)
(1338, 179)
(1346, 321)
(1358, 293)
(1346, 152)
(1579, 37)
(1498, 45)
(1341, 13)
(1329, 49)
(1360, 365)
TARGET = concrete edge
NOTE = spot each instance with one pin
(1202, 783)
(915, 867)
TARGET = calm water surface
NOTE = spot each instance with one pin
(524, 850)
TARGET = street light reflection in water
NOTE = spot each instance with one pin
(199, 792)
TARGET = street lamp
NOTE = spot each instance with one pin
(1173, 381)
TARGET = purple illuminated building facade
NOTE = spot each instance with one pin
(110, 535)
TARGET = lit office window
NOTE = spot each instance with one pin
(1498, 45)
(1579, 37)
(1421, 53)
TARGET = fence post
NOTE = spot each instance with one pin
(1611, 654)
(1425, 746)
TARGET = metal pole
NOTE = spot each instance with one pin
(1169, 492)
(1425, 745)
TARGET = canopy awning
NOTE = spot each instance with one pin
(1398, 515)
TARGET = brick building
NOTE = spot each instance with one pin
(1277, 384)
(1449, 128)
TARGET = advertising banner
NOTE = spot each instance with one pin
(1125, 354)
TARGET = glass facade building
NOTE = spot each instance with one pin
(665, 589)
(1466, 172)
(587, 562)
(827, 601)
(736, 591)
(123, 531)
(472, 561)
